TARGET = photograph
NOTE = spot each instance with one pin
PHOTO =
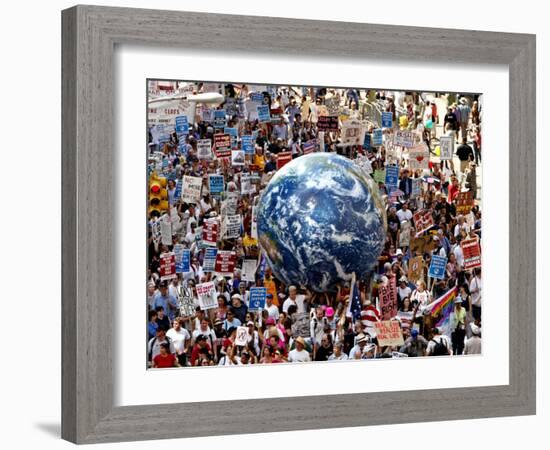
(292, 224)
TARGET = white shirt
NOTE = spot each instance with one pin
(459, 255)
(342, 357)
(178, 339)
(299, 302)
(298, 356)
(404, 215)
(273, 312)
(475, 291)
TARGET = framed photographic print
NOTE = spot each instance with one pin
(266, 227)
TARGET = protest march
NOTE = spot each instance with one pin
(213, 299)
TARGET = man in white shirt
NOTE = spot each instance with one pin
(357, 351)
(457, 250)
(180, 339)
(473, 344)
(294, 299)
(299, 354)
(404, 213)
(475, 292)
(271, 309)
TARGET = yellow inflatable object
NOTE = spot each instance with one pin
(437, 151)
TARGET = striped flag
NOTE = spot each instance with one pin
(354, 305)
(443, 308)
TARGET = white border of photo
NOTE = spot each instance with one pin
(134, 385)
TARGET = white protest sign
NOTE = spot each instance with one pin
(353, 132)
(232, 226)
(237, 158)
(242, 336)
(246, 184)
(249, 270)
(207, 295)
(446, 147)
(165, 230)
(191, 192)
(254, 224)
(404, 138)
(419, 157)
(204, 149)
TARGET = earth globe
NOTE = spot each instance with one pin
(320, 219)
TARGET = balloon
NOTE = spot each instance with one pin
(437, 150)
(403, 122)
(429, 124)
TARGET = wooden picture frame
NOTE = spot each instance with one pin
(90, 34)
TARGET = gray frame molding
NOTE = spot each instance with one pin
(88, 154)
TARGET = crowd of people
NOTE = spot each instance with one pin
(297, 324)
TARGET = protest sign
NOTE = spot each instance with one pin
(257, 97)
(333, 105)
(464, 202)
(438, 267)
(182, 125)
(249, 270)
(247, 144)
(263, 113)
(216, 184)
(183, 148)
(392, 176)
(232, 202)
(367, 141)
(234, 133)
(191, 192)
(327, 123)
(219, 118)
(353, 132)
(416, 187)
(237, 158)
(225, 262)
(388, 299)
(254, 224)
(380, 175)
(377, 138)
(210, 229)
(179, 187)
(257, 298)
(230, 106)
(300, 325)
(364, 163)
(388, 332)
(183, 258)
(166, 230)
(283, 158)
(423, 221)
(446, 147)
(419, 157)
(472, 253)
(246, 184)
(387, 120)
(416, 268)
(204, 149)
(207, 115)
(167, 266)
(232, 226)
(209, 262)
(206, 293)
(405, 233)
(404, 138)
(222, 145)
(242, 336)
(186, 304)
(423, 244)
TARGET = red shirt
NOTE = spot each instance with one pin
(163, 361)
(453, 192)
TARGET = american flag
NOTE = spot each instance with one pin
(355, 302)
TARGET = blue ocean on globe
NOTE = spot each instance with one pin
(319, 220)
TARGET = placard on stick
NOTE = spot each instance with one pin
(388, 332)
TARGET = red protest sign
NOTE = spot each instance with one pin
(388, 299)
(423, 221)
(167, 266)
(222, 145)
(464, 202)
(472, 253)
(327, 123)
(283, 158)
(210, 229)
(225, 262)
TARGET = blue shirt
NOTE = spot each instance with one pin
(234, 323)
(165, 302)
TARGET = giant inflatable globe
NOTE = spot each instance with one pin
(319, 220)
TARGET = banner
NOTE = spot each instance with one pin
(222, 145)
(232, 226)
(165, 230)
(249, 270)
(377, 137)
(210, 229)
(204, 149)
(225, 262)
(404, 138)
(464, 202)
(209, 262)
(416, 187)
(246, 184)
(300, 325)
(367, 141)
(183, 258)
(207, 295)
(438, 267)
(423, 221)
(419, 157)
(392, 176)
(472, 253)
(263, 113)
(234, 133)
(186, 304)
(283, 158)
(257, 298)
(333, 105)
(388, 332)
(388, 299)
(416, 269)
(353, 132)
(237, 158)
(167, 267)
(241, 337)
(247, 144)
(446, 147)
(182, 125)
(387, 120)
(216, 184)
(327, 123)
(219, 118)
(191, 192)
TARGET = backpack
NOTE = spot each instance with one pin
(440, 349)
